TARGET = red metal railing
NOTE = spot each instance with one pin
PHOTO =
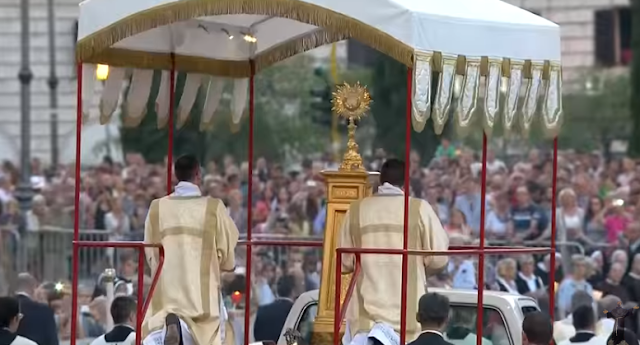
(143, 304)
(341, 308)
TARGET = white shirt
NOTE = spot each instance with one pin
(531, 281)
(596, 340)
(19, 340)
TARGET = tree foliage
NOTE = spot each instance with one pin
(598, 115)
(281, 127)
(389, 93)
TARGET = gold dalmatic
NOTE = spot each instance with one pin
(351, 102)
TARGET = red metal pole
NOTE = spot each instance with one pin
(247, 292)
(154, 282)
(76, 212)
(483, 196)
(312, 244)
(487, 251)
(407, 191)
(172, 85)
(140, 304)
(337, 322)
(552, 258)
(143, 305)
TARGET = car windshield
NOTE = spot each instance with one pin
(460, 330)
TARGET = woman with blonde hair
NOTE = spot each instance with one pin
(506, 270)
(569, 225)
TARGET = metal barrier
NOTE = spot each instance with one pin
(46, 254)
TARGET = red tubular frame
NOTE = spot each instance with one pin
(339, 313)
(142, 305)
(172, 85)
(247, 288)
(483, 204)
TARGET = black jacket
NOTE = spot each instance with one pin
(38, 323)
(270, 319)
(429, 338)
(523, 287)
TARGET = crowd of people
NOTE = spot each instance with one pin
(597, 228)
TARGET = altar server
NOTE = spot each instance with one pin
(199, 239)
(377, 222)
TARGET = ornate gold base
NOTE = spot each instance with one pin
(323, 338)
(323, 331)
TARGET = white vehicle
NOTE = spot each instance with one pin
(503, 316)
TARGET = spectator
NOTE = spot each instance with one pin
(564, 328)
(461, 329)
(526, 280)
(632, 235)
(123, 313)
(612, 286)
(497, 222)
(632, 280)
(526, 219)
(469, 203)
(10, 317)
(507, 272)
(270, 318)
(584, 322)
(576, 282)
(433, 314)
(38, 322)
(536, 329)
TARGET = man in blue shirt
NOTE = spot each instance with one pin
(469, 203)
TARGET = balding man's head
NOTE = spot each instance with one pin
(608, 302)
(26, 283)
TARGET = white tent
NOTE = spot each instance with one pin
(476, 40)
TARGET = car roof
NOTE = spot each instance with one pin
(458, 296)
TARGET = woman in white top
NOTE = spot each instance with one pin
(498, 217)
(569, 225)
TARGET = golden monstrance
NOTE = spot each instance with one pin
(351, 102)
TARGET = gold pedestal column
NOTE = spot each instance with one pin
(343, 187)
(348, 184)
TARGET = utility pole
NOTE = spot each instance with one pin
(24, 192)
(53, 86)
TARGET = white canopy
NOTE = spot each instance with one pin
(234, 38)
(201, 28)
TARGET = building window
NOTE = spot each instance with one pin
(613, 37)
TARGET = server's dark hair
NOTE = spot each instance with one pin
(538, 328)
(392, 172)
(433, 309)
(9, 309)
(122, 308)
(285, 286)
(185, 168)
(583, 317)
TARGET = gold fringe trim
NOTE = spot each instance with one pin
(96, 47)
